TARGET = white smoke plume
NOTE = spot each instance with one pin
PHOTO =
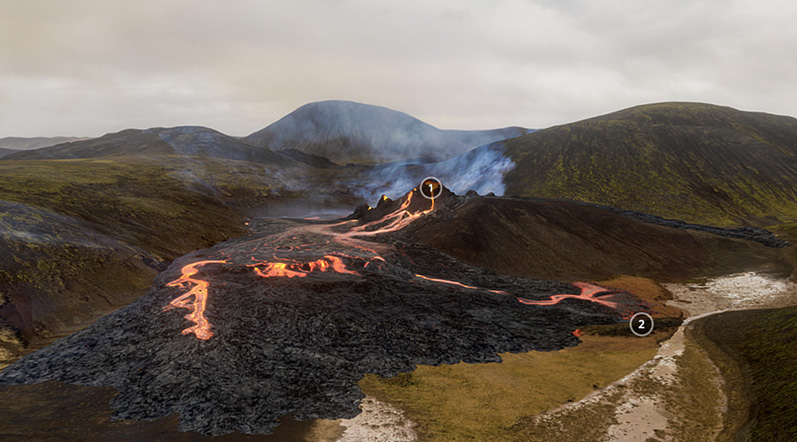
(481, 169)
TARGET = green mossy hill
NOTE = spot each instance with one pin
(81, 237)
(763, 343)
(149, 203)
(696, 162)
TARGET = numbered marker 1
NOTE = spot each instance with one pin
(641, 324)
(431, 187)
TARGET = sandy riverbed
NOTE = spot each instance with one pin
(640, 417)
(645, 404)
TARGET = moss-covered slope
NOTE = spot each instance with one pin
(82, 237)
(758, 352)
(696, 162)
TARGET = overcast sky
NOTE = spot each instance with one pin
(96, 66)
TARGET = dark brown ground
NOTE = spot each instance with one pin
(560, 240)
(54, 411)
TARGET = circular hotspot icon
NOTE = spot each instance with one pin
(431, 187)
(641, 324)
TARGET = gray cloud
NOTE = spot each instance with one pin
(86, 67)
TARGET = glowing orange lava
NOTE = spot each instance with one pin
(322, 265)
(301, 269)
(277, 265)
(397, 220)
(589, 292)
(445, 281)
(197, 305)
(275, 269)
(338, 266)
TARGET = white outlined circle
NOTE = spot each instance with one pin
(642, 325)
(431, 187)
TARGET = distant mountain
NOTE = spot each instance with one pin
(5, 152)
(345, 131)
(192, 141)
(23, 143)
(697, 162)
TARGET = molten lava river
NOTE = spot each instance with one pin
(287, 320)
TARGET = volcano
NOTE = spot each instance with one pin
(286, 320)
(353, 132)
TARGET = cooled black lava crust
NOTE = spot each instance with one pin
(298, 346)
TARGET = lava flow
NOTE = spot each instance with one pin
(459, 284)
(301, 310)
(589, 292)
(199, 292)
(282, 255)
(275, 269)
(196, 298)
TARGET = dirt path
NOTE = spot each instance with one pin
(640, 417)
(379, 422)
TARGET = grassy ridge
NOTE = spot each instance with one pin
(83, 237)
(466, 402)
(696, 162)
(559, 240)
(141, 202)
(758, 349)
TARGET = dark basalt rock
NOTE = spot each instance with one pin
(298, 346)
(756, 234)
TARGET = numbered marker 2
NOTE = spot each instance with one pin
(641, 324)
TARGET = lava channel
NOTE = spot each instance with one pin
(363, 252)
(589, 292)
(195, 299)
(197, 305)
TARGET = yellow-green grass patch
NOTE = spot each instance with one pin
(466, 402)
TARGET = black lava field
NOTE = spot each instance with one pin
(287, 320)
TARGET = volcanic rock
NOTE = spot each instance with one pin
(346, 131)
(296, 343)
